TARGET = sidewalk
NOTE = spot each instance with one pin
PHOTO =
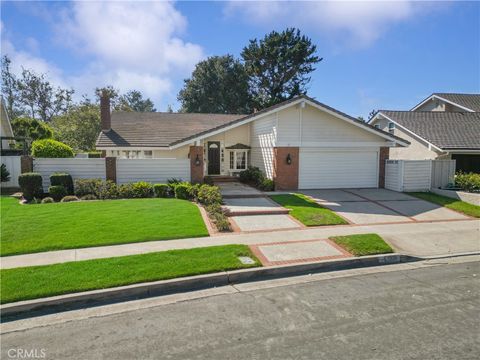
(415, 239)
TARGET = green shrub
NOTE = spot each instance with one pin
(94, 154)
(468, 181)
(70, 198)
(182, 191)
(57, 192)
(5, 174)
(49, 148)
(31, 185)
(253, 175)
(87, 187)
(64, 180)
(47, 200)
(267, 185)
(172, 184)
(208, 194)
(216, 214)
(142, 189)
(161, 190)
(208, 180)
(107, 190)
(193, 191)
(125, 191)
(88, 197)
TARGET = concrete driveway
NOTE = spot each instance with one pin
(378, 206)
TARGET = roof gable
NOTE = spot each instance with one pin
(466, 102)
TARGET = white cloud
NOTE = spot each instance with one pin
(129, 45)
(352, 23)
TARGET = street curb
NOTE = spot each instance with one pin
(164, 287)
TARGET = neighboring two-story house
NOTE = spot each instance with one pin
(443, 126)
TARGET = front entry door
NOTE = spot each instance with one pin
(214, 158)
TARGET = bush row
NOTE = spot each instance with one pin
(254, 176)
(468, 181)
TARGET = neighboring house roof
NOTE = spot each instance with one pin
(445, 130)
(468, 102)
(175, 129)
(5, 121)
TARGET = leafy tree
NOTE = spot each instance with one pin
(49, 148)
(79, 128)
(279, 66)
(169, 108)
(218, 84)
(10, 90)
(134, 101)
(31, 128)
(5, 174)
(371, 114)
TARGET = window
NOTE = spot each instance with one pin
(148, 154)
(391, 127)
(238, 160)
(376, 126)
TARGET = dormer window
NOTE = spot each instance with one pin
(391, 127)
(376, 126)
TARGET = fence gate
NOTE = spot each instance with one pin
(443, 173)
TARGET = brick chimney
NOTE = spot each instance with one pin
(105, 112)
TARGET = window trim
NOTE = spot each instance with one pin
(234, 153)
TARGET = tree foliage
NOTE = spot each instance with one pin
(133, 101)
(279, 65)
(218, 84)
(32, 95)
(49, 148)
(79, 128)
(31, 128)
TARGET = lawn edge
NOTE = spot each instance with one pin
(414, 194)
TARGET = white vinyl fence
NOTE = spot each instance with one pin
(12, 163)
(152, 170)
(78, 168)
(418, 175)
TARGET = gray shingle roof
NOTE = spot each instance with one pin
(167, 129)
(447, 130)
(155, 129)
(470, 101)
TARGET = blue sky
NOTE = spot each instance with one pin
(386, 55)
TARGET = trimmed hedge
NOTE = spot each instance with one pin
(49, 148)
(69, 198)
(208, 195)
(182, 191)
(161, 190)
(31, 185)
(57, 192)
(47, 200)
(64, 180)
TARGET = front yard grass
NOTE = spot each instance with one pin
(50, 280)
(307, 211)
(363, 244)
(454, 204)
(46, 227)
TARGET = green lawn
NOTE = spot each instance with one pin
(454, 204)
(45, 227)
(307, 211)
(363, 244)
(50, 280)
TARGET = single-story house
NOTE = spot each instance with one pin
(437, 128)
(299, 143)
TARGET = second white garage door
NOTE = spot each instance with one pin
(328, 169)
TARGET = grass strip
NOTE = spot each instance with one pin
(307, 211)
(453, 204)
(363, 244)
(57, 279)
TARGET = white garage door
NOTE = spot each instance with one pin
(327, 169)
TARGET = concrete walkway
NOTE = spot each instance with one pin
(415, 238)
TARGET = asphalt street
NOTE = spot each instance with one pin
(424, 313)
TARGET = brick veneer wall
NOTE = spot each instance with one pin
(383, 156)
(111, 168)
(196, 171)
(285, 175)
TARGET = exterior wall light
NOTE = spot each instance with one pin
(289, 159)
(197, 160)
